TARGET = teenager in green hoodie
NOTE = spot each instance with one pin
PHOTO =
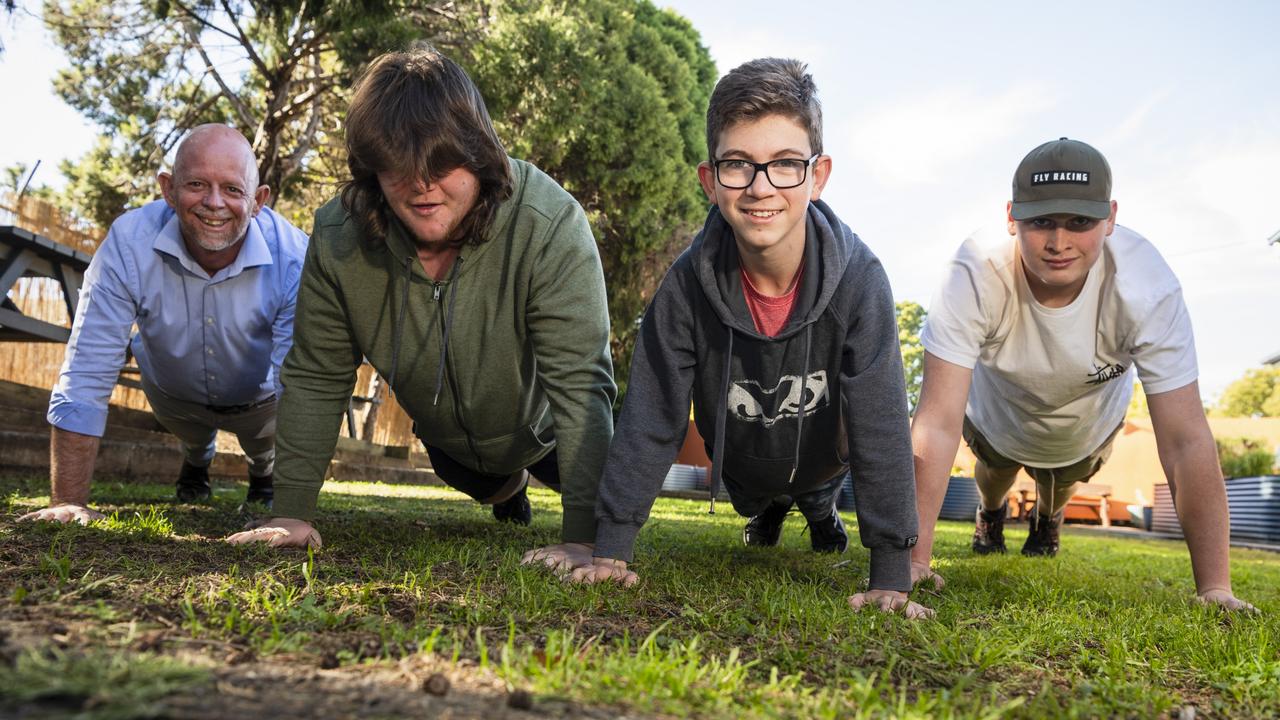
(472, 283)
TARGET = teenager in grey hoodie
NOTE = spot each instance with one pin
(790, 401)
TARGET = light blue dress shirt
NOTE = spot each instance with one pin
(213, 340)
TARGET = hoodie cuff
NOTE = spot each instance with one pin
(578, 525)
(297, 503)
(615, 540)
(890, 569)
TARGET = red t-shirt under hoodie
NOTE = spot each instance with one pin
(770, 314)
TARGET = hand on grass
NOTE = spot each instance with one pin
(560, 558)
(922, 571)
(890, 601)
(605, 570)
(1224, 599)
(280, 532)
(64, 513)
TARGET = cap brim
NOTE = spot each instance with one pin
(1098, 209)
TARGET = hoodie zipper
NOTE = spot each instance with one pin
(437, 292)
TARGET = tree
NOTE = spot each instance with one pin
(1255, 394)
(609, 98)
(277, 69)
(910, 322)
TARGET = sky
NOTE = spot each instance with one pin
(929, 106)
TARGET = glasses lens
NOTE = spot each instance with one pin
(786, 173)
(735, 173)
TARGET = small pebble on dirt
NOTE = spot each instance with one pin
(436, 684)
(520, 700)
(239, 657)
(149, 641)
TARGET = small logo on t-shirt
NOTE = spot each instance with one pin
(750, 402)
(1057, 177)
(1105, 372)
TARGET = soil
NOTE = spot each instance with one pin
(243, 686)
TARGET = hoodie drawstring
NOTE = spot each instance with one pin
(722, 413)
(399, 323)
(804, 379)
(717, 445)
(448, 323)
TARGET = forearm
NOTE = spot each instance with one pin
(935, 451)
(71, 459)
(1200, 498)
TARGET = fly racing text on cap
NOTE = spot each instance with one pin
(1062, 176)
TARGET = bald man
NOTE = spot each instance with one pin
(209, 276)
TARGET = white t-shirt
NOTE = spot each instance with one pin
(1050, 384)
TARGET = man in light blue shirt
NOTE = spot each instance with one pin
(209, 276)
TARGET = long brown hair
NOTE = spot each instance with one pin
(417, 114)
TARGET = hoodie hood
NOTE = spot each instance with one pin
(827, 249)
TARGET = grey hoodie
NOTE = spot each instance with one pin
(771, 434)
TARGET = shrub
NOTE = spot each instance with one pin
(1245, 457)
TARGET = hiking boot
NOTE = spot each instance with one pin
(1043, 538)
(515, 509)
(829, 535)
(765, 529)
(261, 490)
(988, 530)
(193, 483)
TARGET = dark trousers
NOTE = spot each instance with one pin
(481, 486)
(816, 504)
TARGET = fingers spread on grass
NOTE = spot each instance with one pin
(63, 514)
(1226, 600)
(604, 570)
(889, 601)
(280, 532)
(921, 572)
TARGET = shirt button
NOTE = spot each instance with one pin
(208, 320)
(209, 351)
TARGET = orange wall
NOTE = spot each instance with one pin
(1134, 467)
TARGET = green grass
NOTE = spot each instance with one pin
(714, 629)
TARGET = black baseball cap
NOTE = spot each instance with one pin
(1062, 176)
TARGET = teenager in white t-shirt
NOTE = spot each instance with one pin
(1031, 346)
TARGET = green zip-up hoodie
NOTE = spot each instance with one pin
(526, 367)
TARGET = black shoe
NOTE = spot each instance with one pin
(515, 509)
(261, 491)
(988, 530)
(193, 483)
(828, 536)
(1043, 538)
(765, 529)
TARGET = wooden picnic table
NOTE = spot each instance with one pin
(26, 254)
(1092, 496)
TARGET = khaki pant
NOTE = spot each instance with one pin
(995, 473)
(197, 426)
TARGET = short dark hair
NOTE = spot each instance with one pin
(416, 113)
(767, 86)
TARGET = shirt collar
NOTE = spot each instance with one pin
(254, 252)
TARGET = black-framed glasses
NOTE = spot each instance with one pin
(737, 174)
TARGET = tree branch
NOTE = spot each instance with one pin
(245, 41)
(242, 111)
